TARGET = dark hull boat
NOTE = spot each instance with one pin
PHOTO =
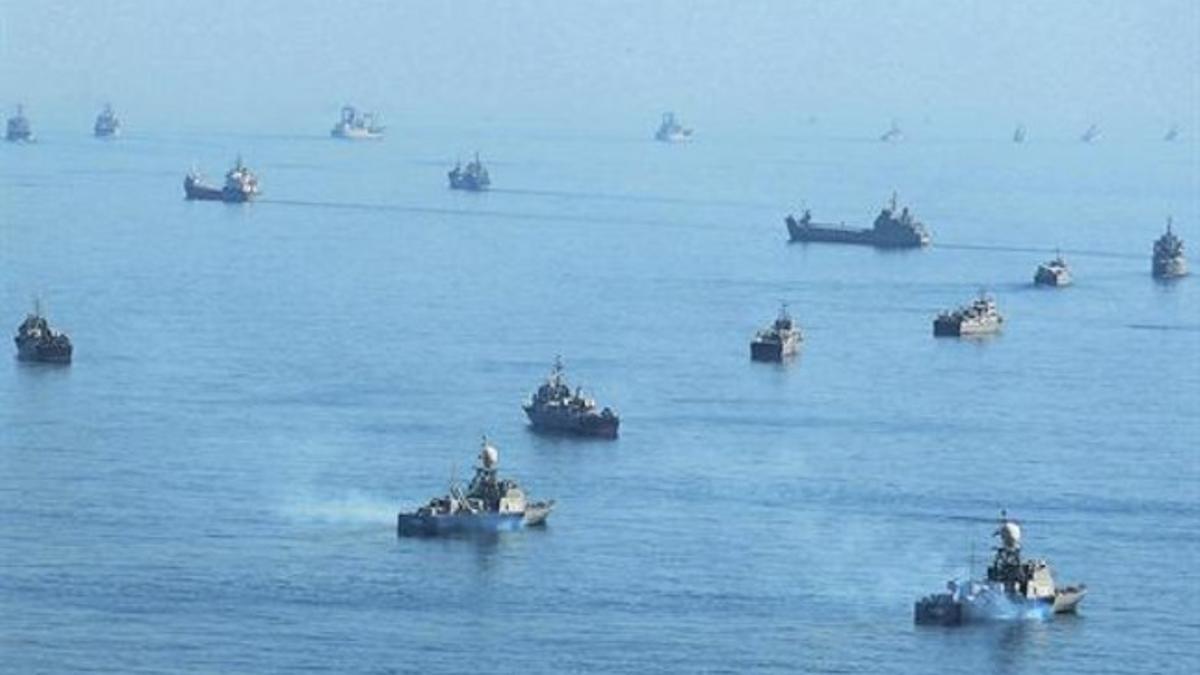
(777, 341)
(891, 229)
(490, 504)
(472, 178)
(554, 407)
(37, 342)
(241, 185)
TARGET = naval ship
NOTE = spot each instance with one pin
(671, 131)
(1014, 589)
(554, 407)
(1172, 133)
(777, 341)
(354, 125)
(18, 128)
(1053, 273)
(893, 134)
(1019, 134)
(488, 504)
(978, 318)
(107, 124)
(889, 231)
(241, 185)
(474, 177)
(1168, 261)
(1090, 134)
(36, 341)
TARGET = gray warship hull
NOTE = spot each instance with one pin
(43, 352)
(955, 328)
(195, 190)
(468, 183)
(944, 609)
(584, 424)
(1170, 268)
(432, 525)
(1049, 277)
(844, 235)
(771, 351)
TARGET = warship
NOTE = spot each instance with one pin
(1053, 273)
(889, 230)
(241, 185)
(488, 504)
(37, 342)
(1168, 261)
(18, 128)
(777, 341)
(1014, 589)
(1019, 134)
(671, 131)
(978, 318)
(107, 124)
(554, 407)
(354, 125)
(1091, 134)
(893, 134)
(474, 177)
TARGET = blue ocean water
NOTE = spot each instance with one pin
(257, 389)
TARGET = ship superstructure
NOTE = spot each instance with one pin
(1168, 261)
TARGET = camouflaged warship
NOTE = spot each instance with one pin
(777, 341)
(18, 128)
(473, 178)
(36, 341)
(241, 185)
(1014, 589)
(554, 407)
(978, 318)
(1168, 261)
(890, 230)
(488, 504)
(107, 125)
(354, 125)
(671, 131)
(1053, 273)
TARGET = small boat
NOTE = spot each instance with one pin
(978, 318)
(473, 178)
(671, 131)
(36, 341)
(1053, 273)
(777, 341)
(1019, 134)
(893, 134)
(18, 128)
(1172, 133)
(107, 125)
(241, 185)
(355, 125)
(1091, 134)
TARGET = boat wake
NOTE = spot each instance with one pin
(352, 508)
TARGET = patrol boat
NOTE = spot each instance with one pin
(37, 342)
(1168, 262)
(488, 504)
(474, 177)
(241, 185)
(978, 318)
(889, 230)
(893, 134)
(554, 407)
(354, 125)
(18, 128)
(777, 341)
(1053, 273)
(1014, 589)
(107, 124)
(671, 131)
